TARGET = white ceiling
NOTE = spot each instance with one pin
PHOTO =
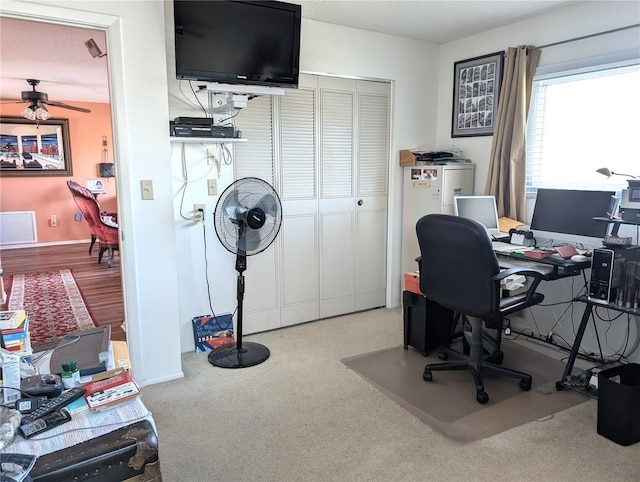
(69, 73)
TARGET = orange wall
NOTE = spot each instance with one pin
(47, 195)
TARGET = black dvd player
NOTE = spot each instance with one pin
(185, 130)
(194, 121)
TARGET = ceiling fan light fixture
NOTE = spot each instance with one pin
(42, 113)
(28, 113)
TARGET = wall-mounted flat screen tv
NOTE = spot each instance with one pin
(238, 42)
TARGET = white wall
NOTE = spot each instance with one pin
(561, 24)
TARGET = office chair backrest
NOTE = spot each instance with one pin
(457, 264)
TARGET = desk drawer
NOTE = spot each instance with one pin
(127, 454)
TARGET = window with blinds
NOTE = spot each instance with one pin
(581, 121)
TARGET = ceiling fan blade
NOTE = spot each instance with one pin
(65, 106)
(12, 99)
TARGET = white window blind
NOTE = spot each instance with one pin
(581, 121)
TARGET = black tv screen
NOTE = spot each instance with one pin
(570, 211)
(238, 42)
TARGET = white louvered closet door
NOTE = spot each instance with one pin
(299, 195)
(372, 181)
(337, 196)
(330, 165)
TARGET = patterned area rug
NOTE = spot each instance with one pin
(53, 303)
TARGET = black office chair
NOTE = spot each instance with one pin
(459, 270)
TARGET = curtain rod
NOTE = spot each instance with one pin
(635, 25)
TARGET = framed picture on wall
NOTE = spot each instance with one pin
(28, 148)
(476, 88)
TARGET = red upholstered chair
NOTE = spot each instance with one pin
(106, 234)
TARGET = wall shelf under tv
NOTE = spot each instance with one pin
(206, 140)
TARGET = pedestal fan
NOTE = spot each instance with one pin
(247, 219)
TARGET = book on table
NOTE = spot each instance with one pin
(12, 319)
(539, 253)
(110, 391)
(17, 340)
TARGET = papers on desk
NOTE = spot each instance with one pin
(500, 247)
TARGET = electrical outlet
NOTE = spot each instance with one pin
(212, 187)
(198, 212)
(211, 157)
(54, 221)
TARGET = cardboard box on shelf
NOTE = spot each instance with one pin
(407, 158)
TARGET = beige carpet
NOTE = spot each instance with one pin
(448, 403)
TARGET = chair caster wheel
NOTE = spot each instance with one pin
(559, 386)
(443, 355)
(482, 397)
(427, 376)
(525, 385)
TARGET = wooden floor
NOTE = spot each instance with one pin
(100, 285)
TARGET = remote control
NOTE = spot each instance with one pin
(54, 404)
(45, 423)
(28, 405)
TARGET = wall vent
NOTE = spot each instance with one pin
(18, 227)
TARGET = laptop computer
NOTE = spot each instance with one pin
(482, 209)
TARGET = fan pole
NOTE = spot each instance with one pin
(241, 266)
(240, 356)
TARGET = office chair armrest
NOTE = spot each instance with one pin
(518, 270)
(533, 278)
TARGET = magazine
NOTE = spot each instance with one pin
(213, 332)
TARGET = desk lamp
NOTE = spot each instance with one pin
(608, 172)
(630, 203)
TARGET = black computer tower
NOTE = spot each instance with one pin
(601, 283)
(427, 325)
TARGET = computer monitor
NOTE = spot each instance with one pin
(561, 212)
(479, 208)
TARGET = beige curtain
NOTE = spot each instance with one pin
(507, 166)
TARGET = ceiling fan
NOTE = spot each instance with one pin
(38, 101)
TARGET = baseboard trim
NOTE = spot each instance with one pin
(40, 245)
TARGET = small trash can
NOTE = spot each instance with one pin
(619, 404)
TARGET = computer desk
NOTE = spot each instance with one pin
(565, 381)
(555, 268)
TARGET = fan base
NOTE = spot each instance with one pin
(249, 355)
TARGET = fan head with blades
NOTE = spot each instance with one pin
(247, 219)
(248, 216)
(39, 100)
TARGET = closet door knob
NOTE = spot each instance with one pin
(360, 202)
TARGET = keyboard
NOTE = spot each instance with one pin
(506, 263)
(500, 247)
